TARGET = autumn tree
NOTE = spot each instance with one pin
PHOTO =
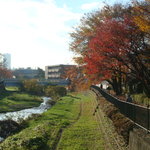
(77, 79)
(5, 73)
(119, 48)
(142, 15)
(114, 49)
(83, 34)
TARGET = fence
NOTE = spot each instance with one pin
(139, 114)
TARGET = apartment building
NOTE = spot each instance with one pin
(54, 73)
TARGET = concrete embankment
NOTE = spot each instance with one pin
(139, 140)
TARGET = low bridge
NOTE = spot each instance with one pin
(18, 83)
(12, 82)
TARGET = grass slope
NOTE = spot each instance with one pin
(67, 121)
(12, 101)
(84, 134)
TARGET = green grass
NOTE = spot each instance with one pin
(84, 133)
(141, 99)
(12, 88)
(11, 101)
(44, 132)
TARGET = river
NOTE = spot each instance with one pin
(18, 116)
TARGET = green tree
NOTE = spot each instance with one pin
(41, 73)
(32, 86)
(55, 91)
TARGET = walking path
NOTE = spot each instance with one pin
(90, 132)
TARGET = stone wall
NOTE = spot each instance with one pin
(139, 140)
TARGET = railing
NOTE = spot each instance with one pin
(139, 114)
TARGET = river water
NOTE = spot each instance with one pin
(18, 116)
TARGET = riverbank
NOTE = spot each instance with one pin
(44, 130)
(69, 124)
(15, 101)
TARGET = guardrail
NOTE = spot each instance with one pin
(139, 114)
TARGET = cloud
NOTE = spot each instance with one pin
(93, 5)
(35, 32)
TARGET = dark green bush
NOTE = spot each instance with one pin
(55, 91)
(32, 87)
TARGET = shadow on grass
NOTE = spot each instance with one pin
(5, 94)
(73, 96)
(15, 101)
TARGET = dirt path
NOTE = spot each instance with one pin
(82, 134)
(59, 136)
(90, 132)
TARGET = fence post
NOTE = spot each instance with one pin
(148, 119)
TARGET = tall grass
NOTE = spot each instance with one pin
(141, 99)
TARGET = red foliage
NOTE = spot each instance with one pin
(78, 80)
(5, 73)
(110, 47)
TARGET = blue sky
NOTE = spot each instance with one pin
(36, 32)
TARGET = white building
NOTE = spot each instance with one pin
(7, 60)
(54, 73)
(104, 84)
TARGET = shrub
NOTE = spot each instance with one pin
(32, 87)
(55, 91)
(141, 99)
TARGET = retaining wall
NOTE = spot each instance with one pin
(139, 140)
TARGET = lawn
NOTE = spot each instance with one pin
(68, 125)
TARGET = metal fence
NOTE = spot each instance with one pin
(139, 114)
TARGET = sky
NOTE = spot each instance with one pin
(36, 32)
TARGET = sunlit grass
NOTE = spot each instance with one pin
(43, 132)
(84, 133)
(12, 88)
(18, 101)
(141, 99)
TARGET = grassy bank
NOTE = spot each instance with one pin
(84, 134)
(68, 125)
(12, 101)
(43, 132)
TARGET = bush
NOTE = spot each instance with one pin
(55, 91)
(141, 99)
(32, 87)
